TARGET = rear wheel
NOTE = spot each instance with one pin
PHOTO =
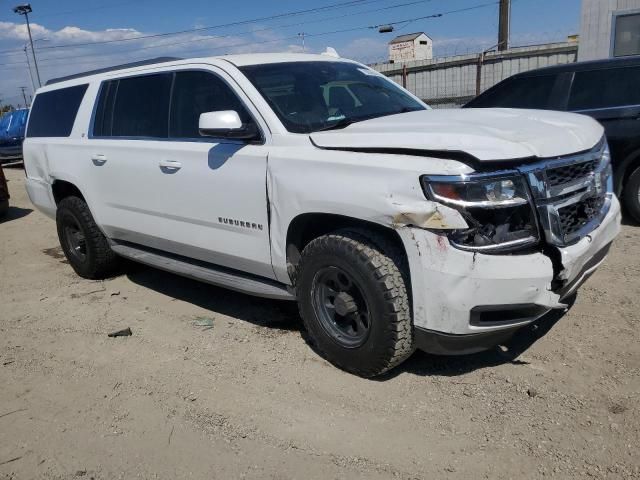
(4, 207)
(352, 293)
(631, 195)
(84, 245)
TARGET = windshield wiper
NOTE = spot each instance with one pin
(342, 123)
(345, 122)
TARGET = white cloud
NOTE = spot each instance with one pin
(365, 49)
(64, 61)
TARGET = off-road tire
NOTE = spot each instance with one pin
(4, 208)
(100, 261)
(381, 271)
(631, 195)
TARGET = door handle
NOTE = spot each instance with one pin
(98, 159)
(170, 166)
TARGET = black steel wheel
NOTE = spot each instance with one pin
(341, 306)
(352, 293)
(82, 242)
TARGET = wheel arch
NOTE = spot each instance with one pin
(307, 226)
(62, 189)
(626, 168)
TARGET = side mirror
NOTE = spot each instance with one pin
(227, 124)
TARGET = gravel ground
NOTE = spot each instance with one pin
(248, 398)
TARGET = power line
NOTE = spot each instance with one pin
(247, 32)
(230, 35)
(333, 6)
(436, 15)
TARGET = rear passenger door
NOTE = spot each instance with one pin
(166, 187)
(611, 96)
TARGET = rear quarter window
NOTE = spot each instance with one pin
(53, 113)
(606, 88)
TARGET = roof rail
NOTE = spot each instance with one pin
(141, 63)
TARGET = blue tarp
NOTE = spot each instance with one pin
(12, 124)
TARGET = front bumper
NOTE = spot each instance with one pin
(461, 293)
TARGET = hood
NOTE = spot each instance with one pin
(488, 134)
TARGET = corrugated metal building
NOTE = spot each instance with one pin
(609, 28)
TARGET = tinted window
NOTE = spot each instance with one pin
(612, 87)
(141, 107)
(304, 95)
(103, 120)
(527, 92)
(53, 113)
(199, 92)
(627, 35)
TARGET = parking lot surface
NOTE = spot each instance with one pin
(215, 384)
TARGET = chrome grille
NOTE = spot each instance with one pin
(570, 194)
(570, 173)
(573, 217)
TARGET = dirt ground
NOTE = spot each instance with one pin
(248, 398)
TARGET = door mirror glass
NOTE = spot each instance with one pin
(225, 123)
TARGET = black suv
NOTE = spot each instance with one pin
(607, 90)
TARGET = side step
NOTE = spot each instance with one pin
(205, 272)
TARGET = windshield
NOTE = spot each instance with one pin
(313, 96)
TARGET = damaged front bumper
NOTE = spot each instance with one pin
(465, 302)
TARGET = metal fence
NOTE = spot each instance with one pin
(452, 81)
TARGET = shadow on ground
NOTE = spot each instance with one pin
(284, 315)
(14, 213)
(262, 312)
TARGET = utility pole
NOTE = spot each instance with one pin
(24, 96)
(504, 25)
(33, 84)
(26, 10)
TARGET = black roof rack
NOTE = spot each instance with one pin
(141, 63)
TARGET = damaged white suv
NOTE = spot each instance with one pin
(312, 178)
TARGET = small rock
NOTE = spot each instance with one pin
(532, 392)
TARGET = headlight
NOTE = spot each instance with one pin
(497, 208)
(607, 173)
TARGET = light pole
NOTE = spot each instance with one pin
(33, 84)
(24, 96)
(26, 10)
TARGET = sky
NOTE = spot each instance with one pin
(67, 34)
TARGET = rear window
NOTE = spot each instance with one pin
(53, 113)
(611, 87)
(526, 92)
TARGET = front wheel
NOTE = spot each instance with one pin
(84, 245)
(352, 294)
(631, 195)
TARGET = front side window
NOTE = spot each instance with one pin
(197, 92)
(606, 88)
(53, 113)
(141, 107)
(313, 96)
(626, 37)
(526, 92)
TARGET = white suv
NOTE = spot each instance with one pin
(316, 179)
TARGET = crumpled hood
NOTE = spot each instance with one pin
(488, 134)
